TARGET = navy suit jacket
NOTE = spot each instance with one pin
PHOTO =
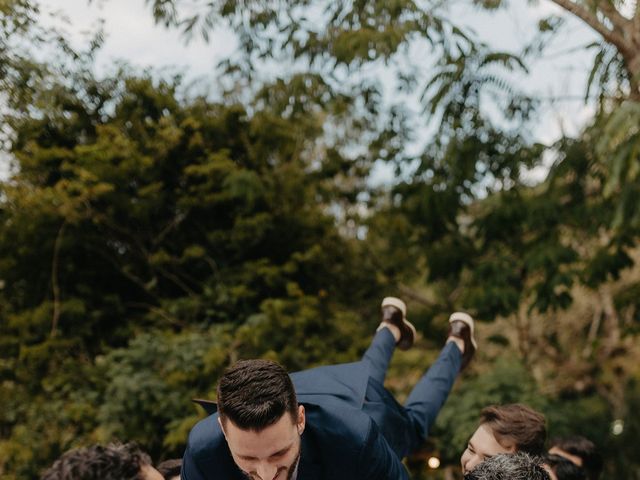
(341, 440)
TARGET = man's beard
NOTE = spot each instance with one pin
(293, 466)
(290, 469)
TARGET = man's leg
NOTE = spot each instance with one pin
(379, 354)
(394, 330)
(428, 396)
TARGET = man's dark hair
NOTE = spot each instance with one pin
(100, 462)
(585, 449)
(170, 468)
(516, 424)
(564, 468)
(255, 394)
(509, 466)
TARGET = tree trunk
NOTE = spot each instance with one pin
(632, 61)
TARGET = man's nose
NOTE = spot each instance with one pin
(267, 471)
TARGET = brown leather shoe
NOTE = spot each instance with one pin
(461, 326)
(394, 312)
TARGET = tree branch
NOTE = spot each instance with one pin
(414, 295)
(619, 22)
(55, 286)
(122, 270)
(173, 223)
(174, 321)
(592, 20)
(404, 289)
(593, 332)
(636, 22)
(176, 281)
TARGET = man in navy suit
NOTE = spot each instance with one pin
(334, 422)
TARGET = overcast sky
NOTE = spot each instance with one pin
(132, 35)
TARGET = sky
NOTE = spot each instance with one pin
(131, 35)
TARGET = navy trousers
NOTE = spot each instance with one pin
(405, 427)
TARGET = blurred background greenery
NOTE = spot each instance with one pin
(150, 236)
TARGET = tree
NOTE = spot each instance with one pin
(211, 231)
(619, 52)
(141, 224)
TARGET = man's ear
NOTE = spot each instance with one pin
(301, 419)
(222, 427)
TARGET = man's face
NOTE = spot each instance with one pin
(482, 445)
(271, 453)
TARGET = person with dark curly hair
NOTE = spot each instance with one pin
(103, 462)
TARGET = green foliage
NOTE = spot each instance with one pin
(344, 41)
(49, 405)
(345, 32)
(301, 331)
(149, 383)
(496, 246)
(618, 148)
(149, 240)
(588, 416)
(619, 448)
(591, 416)
(607, 73)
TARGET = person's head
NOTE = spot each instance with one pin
(505, 429)
(561, 468)
(103, 462)
(580, 451)
(170, 469)
(515, 466)
(261, 419)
